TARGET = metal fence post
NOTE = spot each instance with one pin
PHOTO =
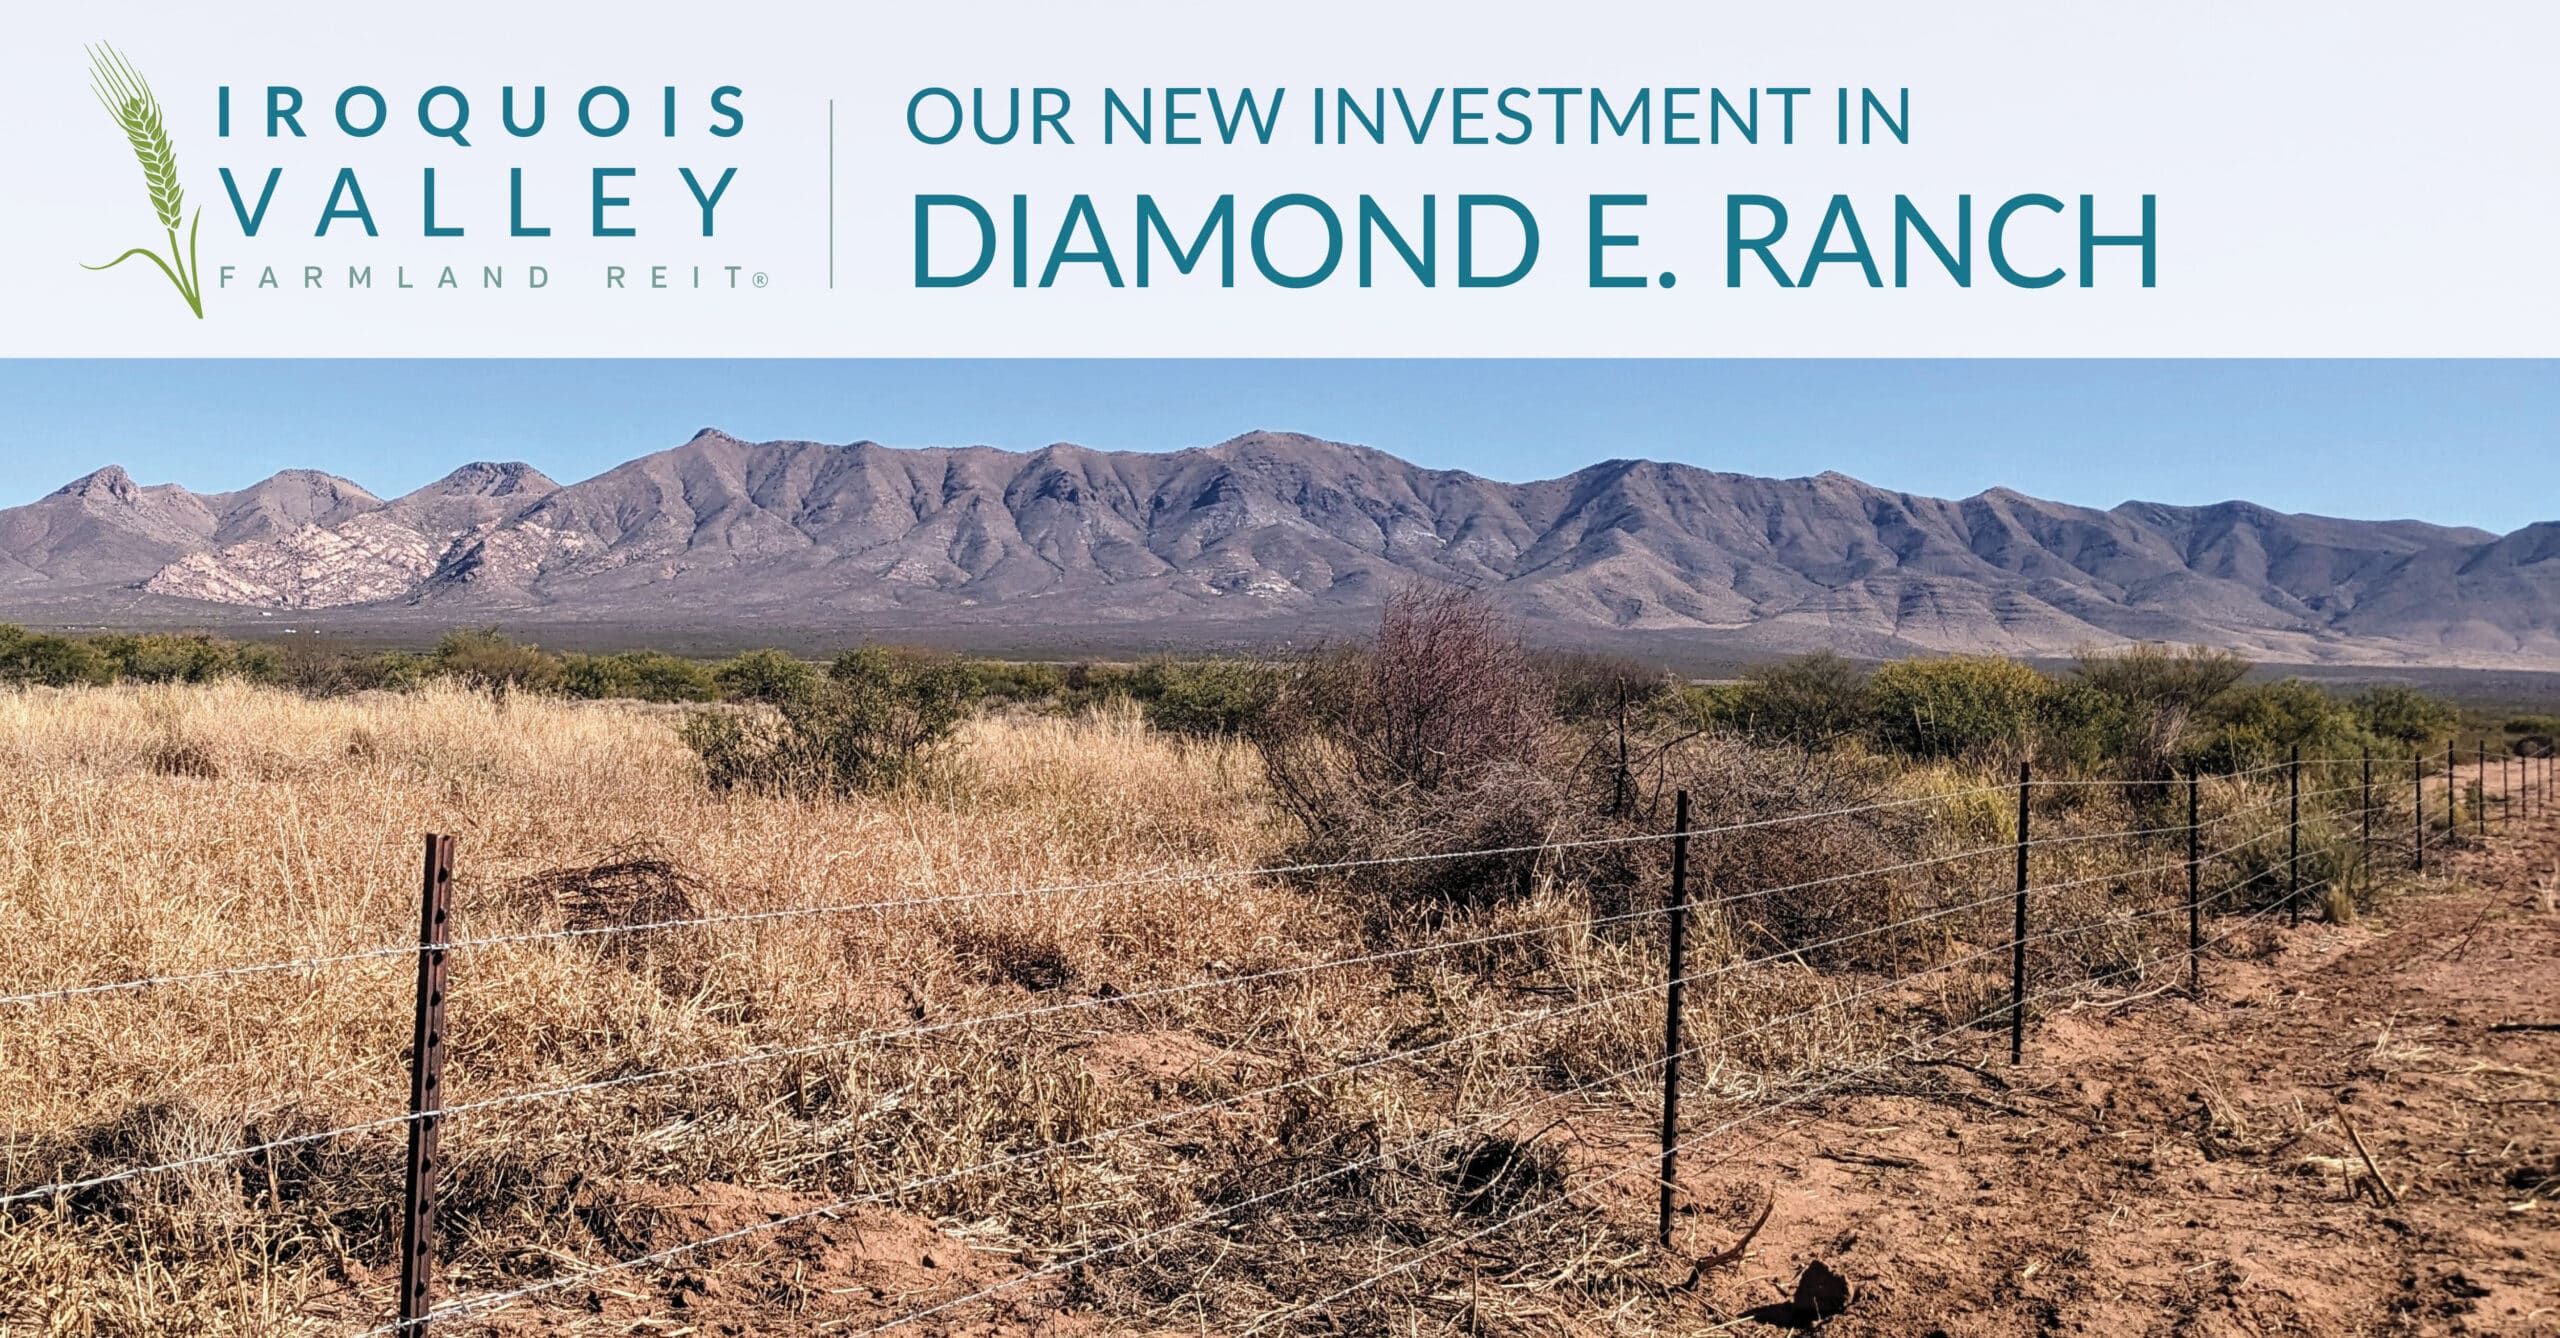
(2418, 810)
(2018, 944)
(2364, 809)
(1678, 970)
(2293, 837)
(2480, 819)
(2452, 798)
(426, 1097)
(2195, 887)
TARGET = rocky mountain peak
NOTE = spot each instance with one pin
(490, 478)
(109, 484)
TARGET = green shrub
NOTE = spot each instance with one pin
(2084, 728)
(1959, 706)
(2533, 735)
(317, 668)
(1811, 701)
(1702, 707)
(2260, 724)
(875, 718)
(49, 661)
(1017, 680)
(593, 677)
(2138, 711)
(1085, 685)
(2404, 718)
(647, 675)
(1205, 697)
(484, 658)
(162, 657)
(764, 676)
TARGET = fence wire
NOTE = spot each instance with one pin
(487, 1303)
(2421, 839)
(355, 956)
(1131, 998)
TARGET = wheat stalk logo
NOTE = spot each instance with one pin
(127, 96)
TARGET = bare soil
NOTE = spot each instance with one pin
(2172, 1166)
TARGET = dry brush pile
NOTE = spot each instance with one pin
(940, 1045)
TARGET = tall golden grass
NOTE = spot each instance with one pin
(161, 831)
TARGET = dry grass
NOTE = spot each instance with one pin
(154, 831)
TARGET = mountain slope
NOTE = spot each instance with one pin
(105, 529)
(349, 555)
(1272, 530)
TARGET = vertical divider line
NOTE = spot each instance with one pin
(831, 194)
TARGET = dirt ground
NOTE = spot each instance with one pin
(2166, 1166)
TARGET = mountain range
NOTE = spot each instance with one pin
(1266, 537)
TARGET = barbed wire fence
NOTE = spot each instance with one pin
(2460, 810)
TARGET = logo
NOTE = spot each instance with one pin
(127, 96)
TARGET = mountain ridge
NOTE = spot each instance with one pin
(1269, 529)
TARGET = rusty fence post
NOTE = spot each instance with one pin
(1676, 975)
(426, 1097)
(2018, 943)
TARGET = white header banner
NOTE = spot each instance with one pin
(1124, 179)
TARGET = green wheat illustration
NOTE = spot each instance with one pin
(127, 96)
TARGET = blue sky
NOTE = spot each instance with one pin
(2458, 442)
